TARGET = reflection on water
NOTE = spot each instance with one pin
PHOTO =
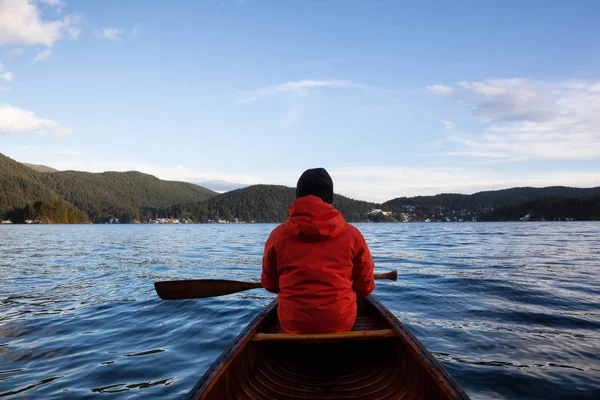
(512, 310)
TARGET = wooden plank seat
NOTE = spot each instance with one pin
(290, 337)
(365, 327)
(362, 324)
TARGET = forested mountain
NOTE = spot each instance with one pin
(20, 185)
(475, 206)
(121, 194)
(260, 203)
(71, 196)
(101, 196)
(549, 209)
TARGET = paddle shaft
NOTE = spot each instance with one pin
(200, 288)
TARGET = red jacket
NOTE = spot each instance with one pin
(318, 264)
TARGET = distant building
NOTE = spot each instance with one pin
(376, 211)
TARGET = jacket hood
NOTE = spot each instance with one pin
(313, 220)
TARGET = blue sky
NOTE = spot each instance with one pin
(394, 98)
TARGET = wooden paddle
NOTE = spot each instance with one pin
(198, 288)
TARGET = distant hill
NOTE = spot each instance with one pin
(40, 168)
(20, 185)
(121, 194)
(102, 196)
(261, 203)
(69, 196)
(467, 207)
(553, 208)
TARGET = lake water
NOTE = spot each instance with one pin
(512, 310)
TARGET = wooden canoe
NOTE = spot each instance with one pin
(379, 359)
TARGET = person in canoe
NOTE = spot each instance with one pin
(316, 262)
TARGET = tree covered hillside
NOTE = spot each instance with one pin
(67, 196)
(549, 209)
(20, 185)
(101, 196)
(478, 205)
(121, 194)
(260, 203)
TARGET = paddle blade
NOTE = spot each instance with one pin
(199, 288)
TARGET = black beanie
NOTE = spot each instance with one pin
(315, 181)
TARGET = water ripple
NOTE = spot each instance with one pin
(512, 310)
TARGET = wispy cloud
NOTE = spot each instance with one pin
(42, 55)
(5, 76)
(109, 33)
(440, 89)
(54, 3)
(14, 119)
(74, 31)
(525, 119)
(296, 87)
(21, 23)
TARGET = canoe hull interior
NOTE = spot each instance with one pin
(368, 369)
(344, 370)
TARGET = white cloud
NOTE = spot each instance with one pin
(73, 31)
(525, 119)
(3, 88)
(21, 23)
(73, 21)
(297, 87)
(42, 55)
(54, 3)
(440, 89)
(14, 119)
(5, 76)
(109, 33)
